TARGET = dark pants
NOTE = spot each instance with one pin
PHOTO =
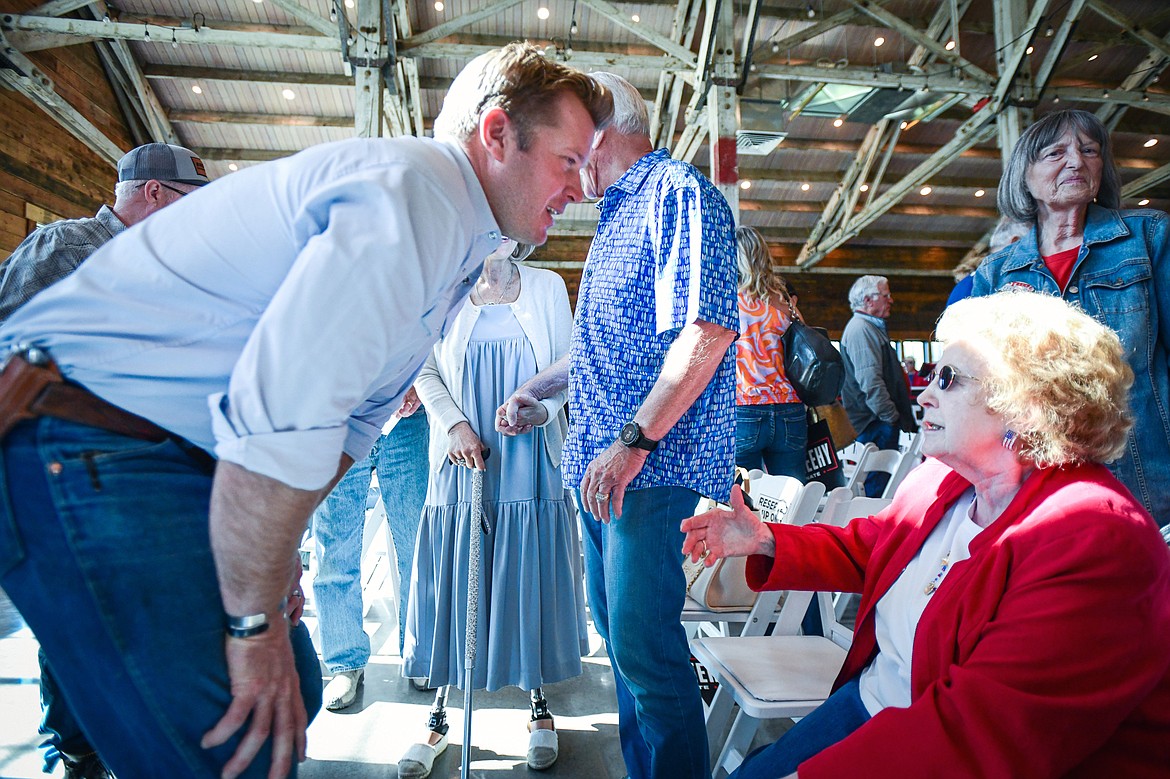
(105, 551)
(883, 435)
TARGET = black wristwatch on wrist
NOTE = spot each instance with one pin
(633, 437)
(246, 627)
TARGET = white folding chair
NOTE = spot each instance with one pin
(777, 499)
(850, 456)
(778, 676)
(379, 556)
(911, 458)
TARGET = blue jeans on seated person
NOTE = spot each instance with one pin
(105, 551)
(634, 574)
(883, 435)
(400, 459)
(841, 714)
(773, 435)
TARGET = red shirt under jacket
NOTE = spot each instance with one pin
(1046, 654)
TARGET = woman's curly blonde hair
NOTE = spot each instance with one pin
(1057, 376)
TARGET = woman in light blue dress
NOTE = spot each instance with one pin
(531, 626)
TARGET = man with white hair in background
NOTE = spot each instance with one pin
(875, 394)
(651, 380)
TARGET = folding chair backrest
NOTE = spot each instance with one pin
(773, 495)
(842, 506)
(910, 459)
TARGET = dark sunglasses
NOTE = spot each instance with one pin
(946, 376)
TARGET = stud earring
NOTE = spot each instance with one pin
(1009, 440)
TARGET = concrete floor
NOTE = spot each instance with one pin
(366, 740)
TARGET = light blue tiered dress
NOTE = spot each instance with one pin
(531, 627)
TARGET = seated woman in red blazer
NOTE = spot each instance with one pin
(1015, 611)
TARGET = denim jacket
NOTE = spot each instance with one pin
(1119, 278)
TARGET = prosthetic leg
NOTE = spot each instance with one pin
(543, 746)
(420, 758)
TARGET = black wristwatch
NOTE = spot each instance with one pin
(632, 437)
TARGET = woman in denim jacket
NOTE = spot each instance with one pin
(1112, 263)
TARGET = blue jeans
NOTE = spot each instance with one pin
(832, 721)
(105, 550)
(883, 435)
(633, 568)
(400, 459)
(773, 435)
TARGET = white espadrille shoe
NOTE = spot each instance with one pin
(419, 758)
(543, 748)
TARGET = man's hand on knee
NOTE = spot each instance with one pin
(266, 688)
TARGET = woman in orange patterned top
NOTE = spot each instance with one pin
(770, 430)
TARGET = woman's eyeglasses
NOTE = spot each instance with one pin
(946, 376)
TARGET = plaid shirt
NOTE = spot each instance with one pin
(50, 254)
(663, 257)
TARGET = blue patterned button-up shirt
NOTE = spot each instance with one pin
(664, 257)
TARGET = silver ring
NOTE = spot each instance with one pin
(602, 496)
(297, 594)
(460, 460)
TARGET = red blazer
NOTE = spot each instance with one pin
(1046, 654)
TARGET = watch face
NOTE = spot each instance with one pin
(630, 433)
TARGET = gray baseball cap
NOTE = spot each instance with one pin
(163, 162)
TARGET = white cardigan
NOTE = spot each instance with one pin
(542, 309)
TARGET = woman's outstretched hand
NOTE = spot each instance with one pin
(721, 533)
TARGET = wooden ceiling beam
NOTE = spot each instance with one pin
(272, 120)
(440, 31)
(195, 73)
(184, 36)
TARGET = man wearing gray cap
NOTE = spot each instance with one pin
(150, 177)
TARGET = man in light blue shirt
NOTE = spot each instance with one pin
(651, 380)
(276, 319)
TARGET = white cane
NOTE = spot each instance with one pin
(478, 528)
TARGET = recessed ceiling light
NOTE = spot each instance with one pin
(745, 184)
(925, 191)
(1093, 57)
(878, 41)
(980, 192)
(636, 18)
(1145, 201)
(903, 125)
(542, 13)
(233, 166)
(1151, 142)
(864, 187)
(197, 89)
(804, 187)
(1030, 49)
(288, 94)
(950, 45)
(838, 122)
(439, 5)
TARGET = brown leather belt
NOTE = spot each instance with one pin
(32, 386)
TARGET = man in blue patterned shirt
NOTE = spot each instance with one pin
(652, 399)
